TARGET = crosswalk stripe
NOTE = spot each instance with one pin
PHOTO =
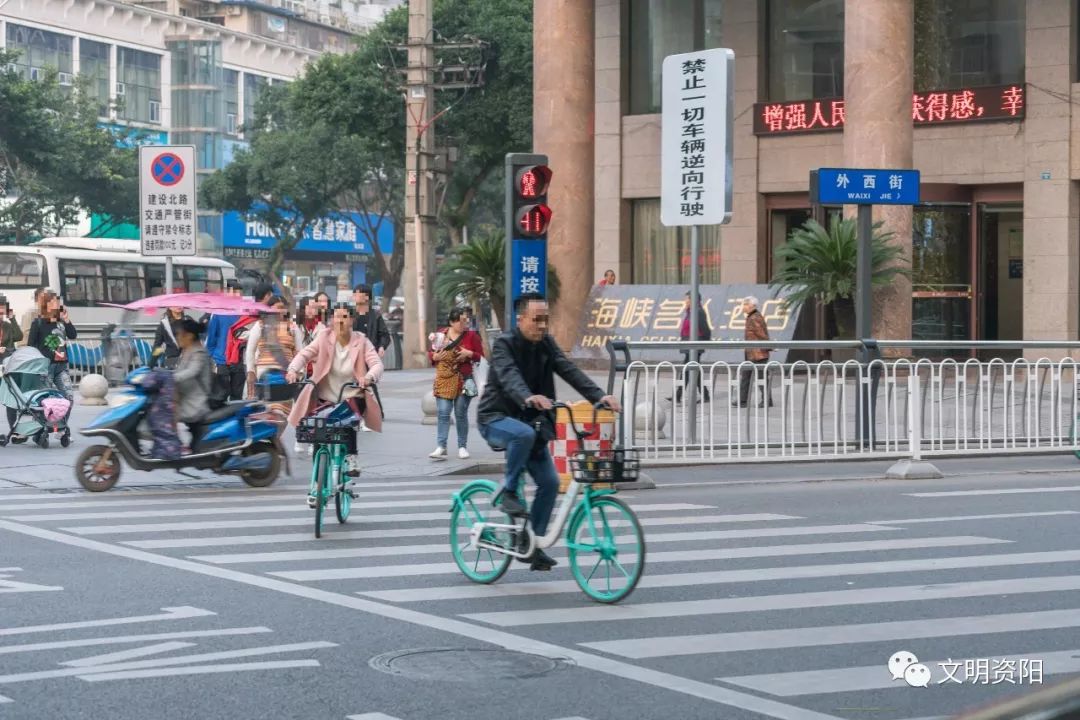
(372, 716)
(659, 557)
(434, 495)
(901, 630)
(879, 567)
(358, 511)
(878, 677)
(444, 547)
(957, 518)
(297, 507)
(997, 491)
(786, 601)
(441, 531)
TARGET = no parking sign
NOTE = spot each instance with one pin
(168, 215)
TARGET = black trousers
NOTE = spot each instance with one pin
(686, 377)
(229, 383)
(746, 376)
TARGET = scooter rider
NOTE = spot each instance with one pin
(520, 388)
(192, 377)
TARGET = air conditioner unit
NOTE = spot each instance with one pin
(234, 10)
(120, 89)
(155, 111)
(66, 79)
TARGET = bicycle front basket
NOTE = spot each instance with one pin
(315, 430)
(605, 466)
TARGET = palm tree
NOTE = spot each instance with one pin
(477, 272)
(820, 264)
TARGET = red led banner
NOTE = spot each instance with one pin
(999, 102)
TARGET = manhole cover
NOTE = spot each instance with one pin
(463, 664)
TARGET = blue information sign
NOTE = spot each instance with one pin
(852, 186)
(528, 268)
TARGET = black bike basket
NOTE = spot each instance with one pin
(314, 430)
(605, 466)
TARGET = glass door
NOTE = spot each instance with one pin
(941, 275)
(1001, 275)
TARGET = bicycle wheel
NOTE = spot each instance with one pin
(319, 475)
(606, 549)
(481, 565)
(342, 499)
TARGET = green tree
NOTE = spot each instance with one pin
(820, 264)
(477, 272)
(57, 159)
(287, 179)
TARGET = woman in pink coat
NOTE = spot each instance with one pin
(339, 356)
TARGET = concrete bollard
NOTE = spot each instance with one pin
(429, 408)
(93, 390)
(644, 421)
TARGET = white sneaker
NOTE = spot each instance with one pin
(352, 465)
(440, 452)
(463, 453)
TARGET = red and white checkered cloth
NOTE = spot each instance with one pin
(600, 437)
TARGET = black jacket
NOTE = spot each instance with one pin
(519, 369)
(373, 325)
(55, 349)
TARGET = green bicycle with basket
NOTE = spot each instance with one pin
(331, 429)
(604, 540)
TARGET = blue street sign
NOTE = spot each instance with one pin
(528, 269)
(851, 186)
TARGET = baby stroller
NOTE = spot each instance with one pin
(40, 409)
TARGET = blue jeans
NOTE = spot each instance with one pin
(460, 408)
(524, 452)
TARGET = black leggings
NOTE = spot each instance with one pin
(12, 416)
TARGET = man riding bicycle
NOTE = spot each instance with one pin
(513, 410)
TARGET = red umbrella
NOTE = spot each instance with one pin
(215, 303)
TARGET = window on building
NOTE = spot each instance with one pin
(94, 69)
(659, 28)
(232, 102)
(805, 40)
(968, 43)
(138, 84)
(40, 52)
(254, 85)
(661, 254)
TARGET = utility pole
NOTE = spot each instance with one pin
(420, 142)
(461, 68)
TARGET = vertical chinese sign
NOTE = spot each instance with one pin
(696, 133)
(168, 213)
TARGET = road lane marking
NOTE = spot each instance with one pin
(168, 613)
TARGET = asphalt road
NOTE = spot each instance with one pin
(760, 600)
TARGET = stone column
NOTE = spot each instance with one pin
(878, 67)
(563, 105)
(1051, 223)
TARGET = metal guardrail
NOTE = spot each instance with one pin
(823, 410)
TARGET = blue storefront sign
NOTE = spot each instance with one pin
(528, 268)
(852, 186)
(337, 235)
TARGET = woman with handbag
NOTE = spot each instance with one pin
(454, 353)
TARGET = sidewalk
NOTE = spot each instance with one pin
(401, 451)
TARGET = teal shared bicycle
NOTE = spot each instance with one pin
(329, 429)
(604, 540)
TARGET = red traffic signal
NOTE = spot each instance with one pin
(532, 181)
(533, 220)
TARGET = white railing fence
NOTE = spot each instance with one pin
(823, 410)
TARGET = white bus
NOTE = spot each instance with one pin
(89, 271)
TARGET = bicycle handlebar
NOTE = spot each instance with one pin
(341, 392)
(581, 435)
